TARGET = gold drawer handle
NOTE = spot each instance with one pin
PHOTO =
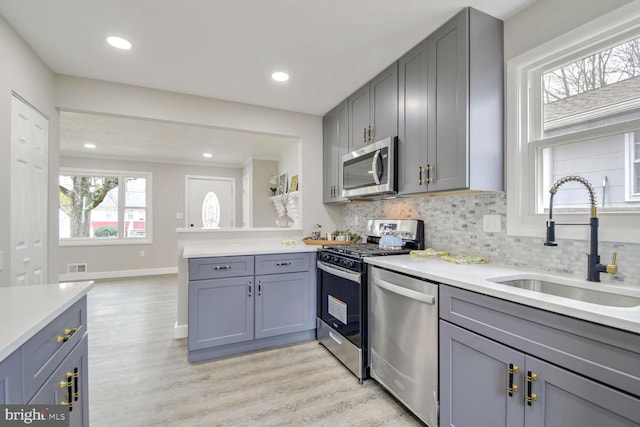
(68, 333)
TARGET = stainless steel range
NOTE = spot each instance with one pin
(342, 288)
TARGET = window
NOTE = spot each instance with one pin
(573, 108)
(104, 207)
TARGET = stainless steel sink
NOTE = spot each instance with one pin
(564, 290)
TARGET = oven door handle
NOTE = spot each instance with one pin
(409, 293)
(354, 277)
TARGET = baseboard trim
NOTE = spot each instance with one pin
(180, 331)
(69, 277)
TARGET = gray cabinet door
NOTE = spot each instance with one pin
(448, 104)
(359, 118)
(282, 304)
(10, 380)
(220, 311)
(412, 120)
(564, 399)
(383, 99)
(335, 145)
(474, 377)
(73, 371)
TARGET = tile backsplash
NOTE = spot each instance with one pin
(455, 224)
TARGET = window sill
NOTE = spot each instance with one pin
(104, 242)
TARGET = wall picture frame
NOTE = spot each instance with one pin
(282, 183)
(294, 183)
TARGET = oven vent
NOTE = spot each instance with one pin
(77, 268)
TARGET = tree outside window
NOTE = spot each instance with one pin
(107, 206)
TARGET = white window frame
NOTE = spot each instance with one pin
(631, 194)
(522, 194)
(120, 240)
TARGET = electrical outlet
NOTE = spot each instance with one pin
(142, 252)
(180, 215)
(492, 223)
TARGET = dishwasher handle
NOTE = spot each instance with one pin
(405, 292)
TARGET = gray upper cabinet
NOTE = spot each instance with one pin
(459, 145)
(336, 144)
(412, 120)
(373, 109)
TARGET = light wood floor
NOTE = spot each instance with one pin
(139, 374)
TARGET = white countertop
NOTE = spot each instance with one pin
(474, 278)
(235, 247)
(27, 309)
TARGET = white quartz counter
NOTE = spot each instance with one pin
(27, 309)
(235, 247)
(474, 278)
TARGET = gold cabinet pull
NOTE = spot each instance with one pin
(531, 397)
(429, 172)
(512, 388)
(249, 289)
(421, 180)
(68, 332)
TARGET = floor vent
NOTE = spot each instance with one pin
(77, 268)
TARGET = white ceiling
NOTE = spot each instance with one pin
(228, 49)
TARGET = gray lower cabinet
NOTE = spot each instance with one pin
(282, 304)
(503, 364)
(373, 109)
(51, 367)
(335, 125)
(274, 306)
(68, 386)
(11, 379)
(220, 312)
(451, 108)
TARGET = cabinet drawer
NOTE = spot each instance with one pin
(605, 354)
(219, 267)
(42, 354)
(283, 263)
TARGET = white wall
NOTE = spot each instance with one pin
(545, 20)
(77, 94)
(264, 213)
(24, 73)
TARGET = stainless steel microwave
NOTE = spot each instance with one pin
(371, 170)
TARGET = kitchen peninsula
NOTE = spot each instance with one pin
(206, 243)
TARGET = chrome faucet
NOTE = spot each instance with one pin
(594, 268)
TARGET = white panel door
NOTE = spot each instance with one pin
(29, 172)
(197, 189)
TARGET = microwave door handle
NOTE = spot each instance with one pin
(374, 167)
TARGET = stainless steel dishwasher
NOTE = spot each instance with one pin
(403, 338)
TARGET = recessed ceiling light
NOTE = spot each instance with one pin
(90, 146)
(119, 42)
(280, 76)
(207, 155)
